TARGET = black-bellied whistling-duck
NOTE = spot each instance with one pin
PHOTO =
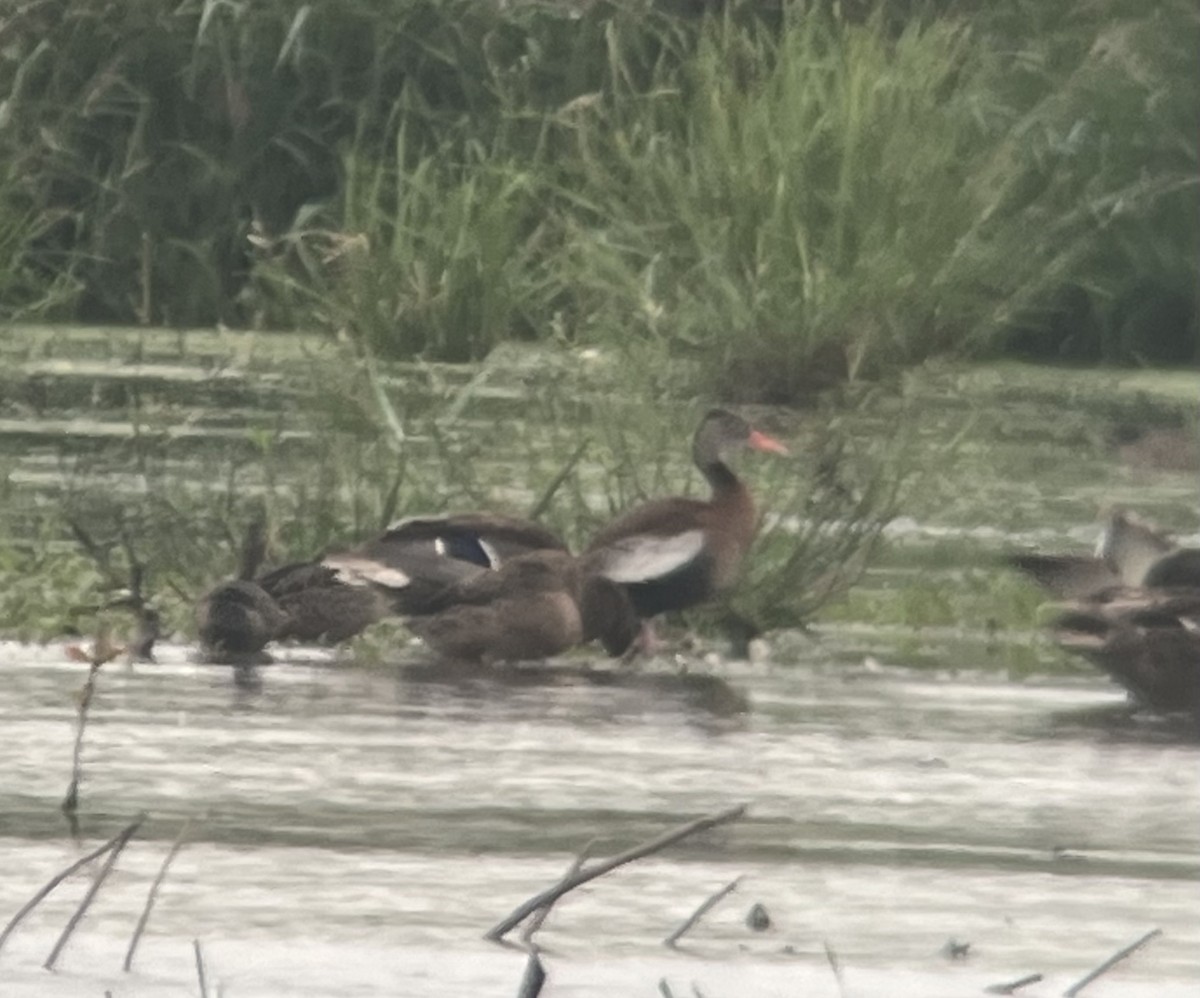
(670, 554)
(533, 606)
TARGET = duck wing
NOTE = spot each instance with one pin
(1066, 576)
(643, 557)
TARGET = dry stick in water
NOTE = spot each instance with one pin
(37, 899)
(70, 802)
(705, 907)
(153, 894)
(539, 916)
(533, 978)
(836, 966)
(552, 894)
(1011, 987)
(1111, 962)
(103, 650)
(200, 968)
(118, 844)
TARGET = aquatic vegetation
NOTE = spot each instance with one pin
(333, 446)
(176, 440)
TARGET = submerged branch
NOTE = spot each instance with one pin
(533, 978)
(1111, 962)
(835, 964)
(115, 848)
(1011, 987)
(539, 916)
(57, 879)
(153, 894)
(200, 968)
(552, 894)
(103, 650)
(706, 906)
(70, 802)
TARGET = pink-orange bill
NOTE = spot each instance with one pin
(760, 441)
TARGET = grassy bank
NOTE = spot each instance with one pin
(143, 463)
(162, 445)
(790, 196)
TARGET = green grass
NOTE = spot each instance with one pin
(333, 446)
(989, 458)
(789, 199)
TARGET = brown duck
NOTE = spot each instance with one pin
(1148, 640)
(533, 606)
(415, 560)
(1130, 553)
(333, 598)
(674, 553)
(236, 619)
(1133, 611)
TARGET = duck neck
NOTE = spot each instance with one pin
(719, 476)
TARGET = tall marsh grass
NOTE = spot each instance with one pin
(791, 196)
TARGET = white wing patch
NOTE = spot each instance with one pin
(362, 571)
(645, 556)
(492, 556)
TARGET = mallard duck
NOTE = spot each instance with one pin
(414, 560)
(674, 553)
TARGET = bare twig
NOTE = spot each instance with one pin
(549, 492)
(533, 978)
(836, 966)
(185, 595)
(116, 846)
(103, 650)
(153, 894)
(70, 802)
(34, 901)
(1012, 987)
(706, 906)
(200, 968)
(539, 917)
(664, 988)
(552, 894)
(1111, 962)
(137, 571)
(96, 551)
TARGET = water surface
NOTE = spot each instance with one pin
(364, 827)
